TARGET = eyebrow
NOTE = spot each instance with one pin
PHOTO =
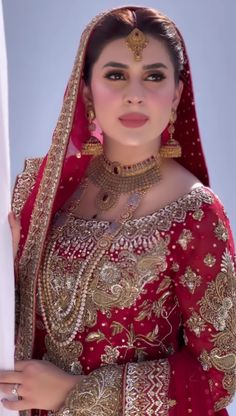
(123, 66)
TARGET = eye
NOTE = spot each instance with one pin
(156, 76)
(115, 76)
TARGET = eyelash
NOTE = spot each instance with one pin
(160, 75)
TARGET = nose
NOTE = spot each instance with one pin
(134, 94)
(134, 100)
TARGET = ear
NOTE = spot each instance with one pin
(87, 95)
(178, 93)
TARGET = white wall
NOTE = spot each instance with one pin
(42, 39)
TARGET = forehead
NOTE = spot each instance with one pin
(118, 51)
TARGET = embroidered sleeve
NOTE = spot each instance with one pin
(98, 394)
(146, 387)
(24, 183)
(206, 289)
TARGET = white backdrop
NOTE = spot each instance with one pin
(42, 39)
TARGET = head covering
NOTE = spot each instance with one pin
(61, 170)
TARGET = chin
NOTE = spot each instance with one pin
(131, 142)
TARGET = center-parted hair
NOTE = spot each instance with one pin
(119, 23)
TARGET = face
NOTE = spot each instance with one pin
(133, 100)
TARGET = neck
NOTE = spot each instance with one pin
(129, 155)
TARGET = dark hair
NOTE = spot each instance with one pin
(119, 23)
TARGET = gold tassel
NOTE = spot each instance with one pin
(92, 147)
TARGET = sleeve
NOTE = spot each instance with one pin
(200, 379)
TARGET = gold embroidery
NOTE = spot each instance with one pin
(95, 336)
(99, 393)
(131, 341)
(119, 284)
(196, 324)
(24, 184)
(166, 282)
(146, 390)
(198, 214)
(65, 358)
(190, 279)
(209, 260)
(150, 308)
(185, 238)
(217, 303)
(221, 231)
(217, 307)
(111, 355)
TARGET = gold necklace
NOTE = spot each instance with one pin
(115, 179)
(63, 320)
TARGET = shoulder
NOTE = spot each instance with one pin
(203, 205)
(181, 182)
(178, 178)
(207, 219)
(175, 183)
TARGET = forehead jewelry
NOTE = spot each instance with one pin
(136, 41)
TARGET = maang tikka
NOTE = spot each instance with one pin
(171, 148)
(92, 147)
(136, 41)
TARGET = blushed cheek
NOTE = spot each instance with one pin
(105, 101)
(164, 98)
(102, 93)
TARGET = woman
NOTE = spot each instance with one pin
(125, 262)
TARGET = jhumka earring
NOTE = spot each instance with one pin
(92, 147)
(136, 41)
(172, 147)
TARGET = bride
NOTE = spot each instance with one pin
(124, 255)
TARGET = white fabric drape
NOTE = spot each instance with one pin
(6, 259)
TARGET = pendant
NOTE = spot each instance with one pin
(105, 200)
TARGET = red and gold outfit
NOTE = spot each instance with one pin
(157, 336)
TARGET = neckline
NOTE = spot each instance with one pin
(198, 190)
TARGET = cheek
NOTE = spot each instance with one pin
(105, 103)
(102, 96)
(161, 102)
(160, 107)
(162, 98)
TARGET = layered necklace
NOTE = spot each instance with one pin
(63, 320)
(115, 179)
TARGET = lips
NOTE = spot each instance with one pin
(133, 119)
(134, 116)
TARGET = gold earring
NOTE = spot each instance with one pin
(172, 147)
(90, 116)
(92, 147)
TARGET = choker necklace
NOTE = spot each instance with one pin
(115, 179)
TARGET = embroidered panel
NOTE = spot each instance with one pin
(97, 394)
(24, 184)
(66, 358)
(217, 307)
(118, 279)
(146, 389)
